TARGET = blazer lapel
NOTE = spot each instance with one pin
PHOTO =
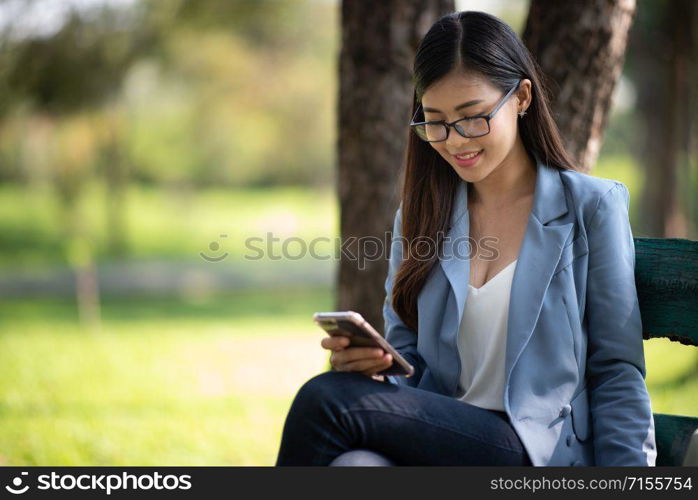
(539, 254)
(456, 251)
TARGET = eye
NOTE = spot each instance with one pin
(474, 115)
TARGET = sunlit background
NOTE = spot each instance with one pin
(142, 143)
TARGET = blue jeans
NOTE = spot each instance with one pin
(335, 412)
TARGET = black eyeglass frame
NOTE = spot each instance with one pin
(448, 126)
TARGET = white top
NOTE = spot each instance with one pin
(482, 340)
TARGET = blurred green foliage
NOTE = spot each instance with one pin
(201, 92)
(179, 222)
(164, 223)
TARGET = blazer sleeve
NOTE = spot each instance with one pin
(402, 338)
(621, 413)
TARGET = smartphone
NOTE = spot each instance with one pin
(361, 334)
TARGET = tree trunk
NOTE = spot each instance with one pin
(580, 47)
(663, 68)
(379, 40)
(116, 180)
(681, 85)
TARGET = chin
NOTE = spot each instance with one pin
(470, 175)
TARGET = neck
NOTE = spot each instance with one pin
(513, 179)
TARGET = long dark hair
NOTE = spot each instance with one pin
(481, 43)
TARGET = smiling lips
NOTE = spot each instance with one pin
(467, 156)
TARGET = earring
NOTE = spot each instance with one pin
(522, 113)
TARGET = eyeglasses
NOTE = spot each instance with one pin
(473, 126)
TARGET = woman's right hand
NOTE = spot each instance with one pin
(365, 360)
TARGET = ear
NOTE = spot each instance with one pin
(524, 95)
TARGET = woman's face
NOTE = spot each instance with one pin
(497, 147)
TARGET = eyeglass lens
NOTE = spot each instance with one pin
(439, 131)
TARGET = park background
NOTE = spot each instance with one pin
(139, 140)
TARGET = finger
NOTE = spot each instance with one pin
(333, 361)
(357, 353)
(365, 365)
(386, 362)
(353, 354)
(345, 356)
(334, 343)
(329, 343)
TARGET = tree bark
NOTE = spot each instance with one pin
(580, 47)
(379, 40)
(681, 85)
(662, 63)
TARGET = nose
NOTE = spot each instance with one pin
(455, 141)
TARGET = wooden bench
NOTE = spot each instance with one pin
(666, 276)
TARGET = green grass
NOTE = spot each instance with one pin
(180, 382)
(165, 383)
(672, 377)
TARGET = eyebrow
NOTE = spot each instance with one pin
(459, 107)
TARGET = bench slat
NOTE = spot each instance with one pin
(673, 433)
(666, 276)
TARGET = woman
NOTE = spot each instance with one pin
(538, 359)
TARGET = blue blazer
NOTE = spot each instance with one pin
(575, 387)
